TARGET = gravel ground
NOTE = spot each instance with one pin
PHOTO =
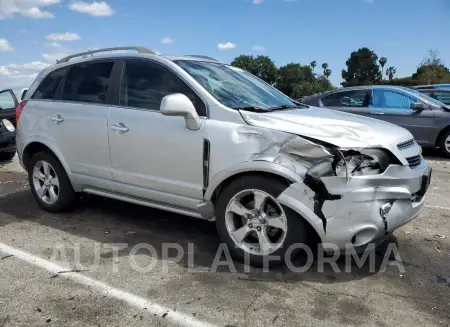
(107, 291)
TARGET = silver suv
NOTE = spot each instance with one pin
(198, 137)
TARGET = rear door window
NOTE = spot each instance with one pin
(88, 82)
(47, 89)
(355, 98)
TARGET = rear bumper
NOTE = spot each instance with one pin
(355, 219)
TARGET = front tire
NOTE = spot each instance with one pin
(49, 183)
(444, 144)
(7, 156)
(253, 224)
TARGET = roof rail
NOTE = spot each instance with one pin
(203, 57)
(91, 52)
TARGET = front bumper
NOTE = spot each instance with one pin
(7, 141)
(355, 218)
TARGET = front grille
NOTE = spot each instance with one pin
(406, 144)
(414, 161)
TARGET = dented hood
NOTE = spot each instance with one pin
(335, 127)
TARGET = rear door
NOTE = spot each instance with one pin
(352, 101)
(394, 106)
(76, 100)
(8, 104)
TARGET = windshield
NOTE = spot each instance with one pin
(234, 87)
(426, 97)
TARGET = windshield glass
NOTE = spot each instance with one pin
(426, 97)
(234, 87)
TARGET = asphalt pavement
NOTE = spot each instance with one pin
(109, 263)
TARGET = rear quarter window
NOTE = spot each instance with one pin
(48, 87)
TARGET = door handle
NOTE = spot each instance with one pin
(120, 128)
(57, 119)
(377, 113)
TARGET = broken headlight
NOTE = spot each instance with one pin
(361, 162)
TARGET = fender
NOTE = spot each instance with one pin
(250, 166)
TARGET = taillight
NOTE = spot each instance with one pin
(19, 110)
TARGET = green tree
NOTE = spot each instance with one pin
(382, 61)
(390, 72)
(313, 65)
(261, 66)
(326, 70)
(320, 84)
(362, 68)
(432, 70)
(291, 74)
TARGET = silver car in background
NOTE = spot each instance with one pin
(427, 118)
(195, 136)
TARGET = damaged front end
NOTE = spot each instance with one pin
(354, 196)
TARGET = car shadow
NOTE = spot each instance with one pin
(109, 221)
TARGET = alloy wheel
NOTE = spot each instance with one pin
(45, 182)
(256, 222)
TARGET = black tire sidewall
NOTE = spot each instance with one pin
(296, 231)
(7, 155)
(66, 195)
(443, 149)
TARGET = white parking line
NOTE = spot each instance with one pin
(104, 289)
(437, 207)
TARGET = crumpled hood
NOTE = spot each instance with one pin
(335, 127)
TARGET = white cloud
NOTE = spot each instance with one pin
(226, 46)
(35, 65)
(53, 44)
(167, 40)
(259, 48)
(5, 46)
(26, 8)
(15, 79)
(257, 2)
(54, 56)
(93, 9)
(63, 36)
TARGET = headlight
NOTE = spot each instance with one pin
(361, 162)
(9, 126)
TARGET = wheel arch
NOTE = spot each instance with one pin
(441, 134)
(37, 146)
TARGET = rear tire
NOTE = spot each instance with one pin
(444, 144)
(6, 156)
(264, 227)
(49, 183)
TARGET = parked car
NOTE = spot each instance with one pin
(195, 136)
(425, 117)
(8, 104)
(438, 94)
(433, 86)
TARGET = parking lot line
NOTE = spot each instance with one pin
(437, 207)
(133, 300)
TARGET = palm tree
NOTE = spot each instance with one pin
(313, 65)
(390, 72)
(382, 61)
(325, 67)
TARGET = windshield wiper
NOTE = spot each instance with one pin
(251, 108)
(283, 107)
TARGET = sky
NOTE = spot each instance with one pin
(34, 33)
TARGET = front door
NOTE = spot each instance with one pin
(394, 106)
(8, 104)
(152, 155)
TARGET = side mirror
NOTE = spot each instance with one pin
(179, 105)
(417, 106)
